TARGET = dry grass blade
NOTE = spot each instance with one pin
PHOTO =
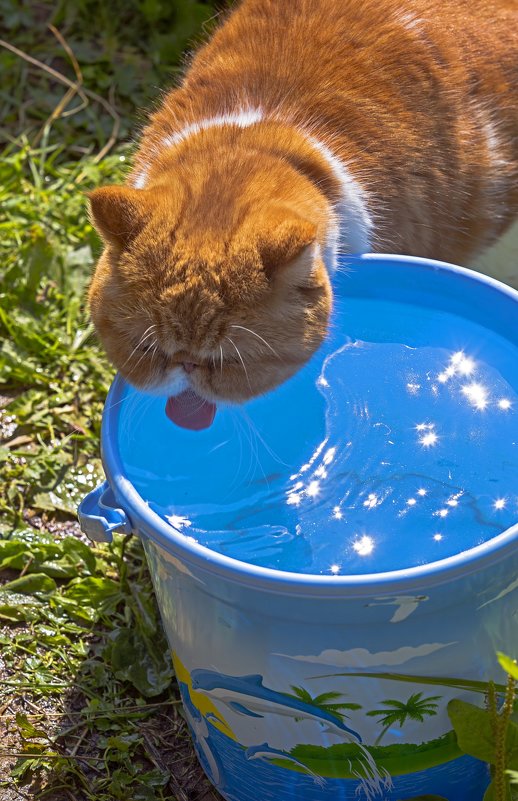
(60, 110)
(73, 85)
(155, 755)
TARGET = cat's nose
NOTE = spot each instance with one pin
(188, 366)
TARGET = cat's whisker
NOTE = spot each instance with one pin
(241, 360)
(144, 354)
(255, 334)
(221, 360)
(139, 344)
(155, 351)
(263, 442)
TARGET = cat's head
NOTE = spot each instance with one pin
(196, 288)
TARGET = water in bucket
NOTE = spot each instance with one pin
(396, 445)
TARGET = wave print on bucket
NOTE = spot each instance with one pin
(346, 770)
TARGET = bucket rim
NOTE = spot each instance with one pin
(146, 521)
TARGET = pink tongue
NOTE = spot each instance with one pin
(188, 410)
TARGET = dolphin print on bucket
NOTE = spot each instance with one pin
(264, 753)
(247, 695)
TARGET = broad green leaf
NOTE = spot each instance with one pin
(155, 778)
(144, 793)
(17, 607)
(473, 729)
(489, 795)
(11, 551)
(27, 729)
(144, 610)
(31, 583)
(23, 767)
(133, 660)
(475, 736)
(122, 743)
(75, 559)
(94, 593)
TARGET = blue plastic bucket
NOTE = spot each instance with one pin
(257, 651)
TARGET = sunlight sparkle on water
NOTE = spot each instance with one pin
(446, 374)
(427, 440)
(364, 546)
(411, 502)
(476, 394)
(372, 500)
(329, 455)
(313, 489)
(437, 537)
(460, 364)
(334, 569)
(421, 491)
(430, 437)
(466, 366)
(294, 498)
(500, 503)
(504, 404)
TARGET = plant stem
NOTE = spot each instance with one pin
(500, 732)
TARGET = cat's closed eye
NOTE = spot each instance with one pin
(143, 348)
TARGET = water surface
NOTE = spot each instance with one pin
(397, 445)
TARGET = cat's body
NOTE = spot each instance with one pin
(394, 121)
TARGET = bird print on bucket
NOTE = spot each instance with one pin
(300, 130)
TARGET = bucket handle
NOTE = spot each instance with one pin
(100, 515)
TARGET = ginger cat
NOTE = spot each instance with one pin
(302, 128)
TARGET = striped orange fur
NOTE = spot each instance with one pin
(299, 129)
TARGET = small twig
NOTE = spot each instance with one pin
(26, 566)
(85, 713)
(156, 759)
(6, 706)
(25, 755)
(55, 74)
(79, 741)
(29, 703)
(33, 686)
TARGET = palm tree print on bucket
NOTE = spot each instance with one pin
(326, 702)
(416, 708)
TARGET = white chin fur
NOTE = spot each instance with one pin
(175, 383)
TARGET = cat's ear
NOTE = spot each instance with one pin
(282, 242)
(119, 212)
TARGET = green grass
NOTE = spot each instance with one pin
(89, 707)
(123, 54)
